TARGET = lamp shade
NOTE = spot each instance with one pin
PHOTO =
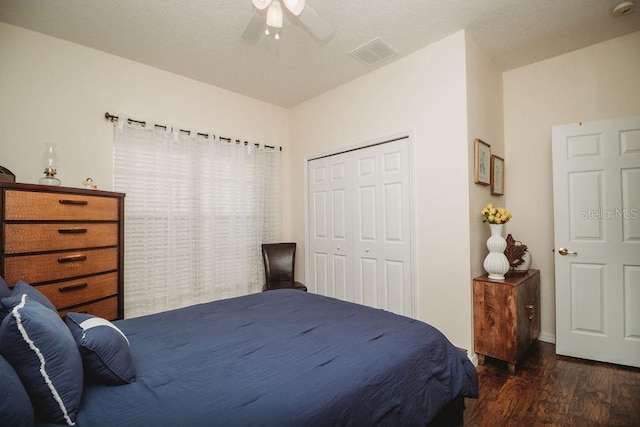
(50, 163)
(274, 15)
(50, 157)
(261, 4)
(294, 6)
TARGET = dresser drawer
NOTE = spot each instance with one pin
(57, 266)
(107, 309)
(32, 205)
(73, 292)
(21, 238)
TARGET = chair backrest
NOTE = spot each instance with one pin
(279, 261)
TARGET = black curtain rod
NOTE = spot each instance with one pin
(113, 118)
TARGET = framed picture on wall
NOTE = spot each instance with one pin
(497, 176)
(482, 159)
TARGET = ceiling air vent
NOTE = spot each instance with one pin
(373, 52)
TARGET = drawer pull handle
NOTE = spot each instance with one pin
(72, 230)
(72, 258)
(73, 202)
(531, 314)
(72, 288)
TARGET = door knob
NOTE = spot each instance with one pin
(565, 251)
(366, 250)
(338, 248)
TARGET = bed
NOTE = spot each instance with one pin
(280, 358)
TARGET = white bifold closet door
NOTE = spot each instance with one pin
(359, 226)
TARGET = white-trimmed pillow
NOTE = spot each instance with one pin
(43, 353)
(105, 351)
(34, 294)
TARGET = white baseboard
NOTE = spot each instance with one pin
(547, 337)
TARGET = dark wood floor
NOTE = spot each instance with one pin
(550, 390)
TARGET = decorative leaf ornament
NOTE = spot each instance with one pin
(514, 252)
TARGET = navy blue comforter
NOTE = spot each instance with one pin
(281, 358)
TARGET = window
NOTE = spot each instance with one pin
(196, 213)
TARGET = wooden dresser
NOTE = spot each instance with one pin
(506, 316)
(68, 243)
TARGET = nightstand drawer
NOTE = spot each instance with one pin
(33, 205)
(21, 238)
(73, 292)
(57, 266)
(107, 309)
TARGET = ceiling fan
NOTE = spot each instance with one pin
(307, 16)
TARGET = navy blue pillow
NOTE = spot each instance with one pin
(4, 289)
(15, 406)
(33, 294)
(41, 349)
(105, 351)
(4, 292)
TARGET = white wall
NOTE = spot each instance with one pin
(55, 91)
(485, 121)
(424, 94)
(597, 82)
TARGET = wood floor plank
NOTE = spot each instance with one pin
(551, 390)
(592, 397)
(625, 399)
(552, 403)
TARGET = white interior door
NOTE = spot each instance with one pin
(330, 234)
(359, 226)
(596, 180)
(382, 246)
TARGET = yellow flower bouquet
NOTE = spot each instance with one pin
(495, 215)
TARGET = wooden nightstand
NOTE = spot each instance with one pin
(506, 316)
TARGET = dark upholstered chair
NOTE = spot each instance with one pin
(279, 264)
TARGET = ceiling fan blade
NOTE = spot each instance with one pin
(315, 24)
(254, 27)
(261, 4)
(294, 6)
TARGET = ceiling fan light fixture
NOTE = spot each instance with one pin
(624, 7)
(261, 4)
(307, 17)
(294, 6)
(274, 15)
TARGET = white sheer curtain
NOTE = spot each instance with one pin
(196, 212)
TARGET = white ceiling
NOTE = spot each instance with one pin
(200, 39)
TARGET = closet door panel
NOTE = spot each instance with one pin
(366, 209)
(368, 284)
(339, 201)
(393, 274)
(342, 283)
(329, 220)
(320, 218)
(393, 213)
(320, 270)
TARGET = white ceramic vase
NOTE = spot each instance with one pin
(496, 262)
